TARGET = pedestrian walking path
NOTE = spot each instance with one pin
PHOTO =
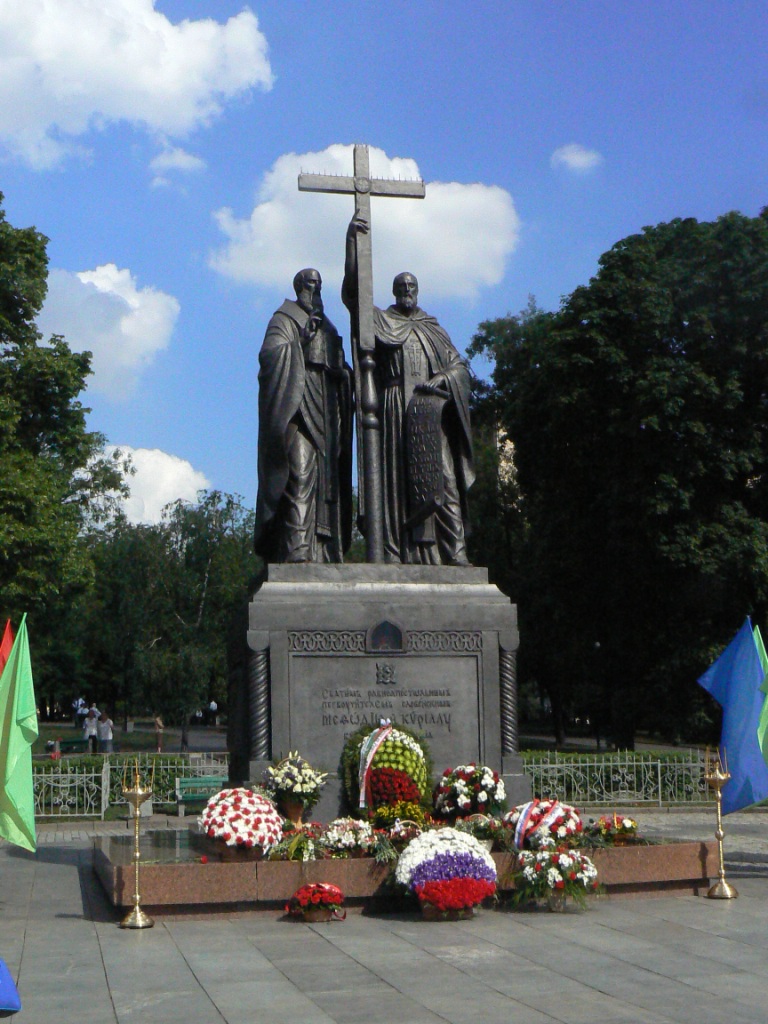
(662, 960)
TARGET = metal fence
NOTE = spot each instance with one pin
(67, 788)
(623, 778)
(71, 791)
(71, 788)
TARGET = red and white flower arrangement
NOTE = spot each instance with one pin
(543, 873)
(469, 789)
(240, 817)
(447, 869)
(316, 894)
(543, 823)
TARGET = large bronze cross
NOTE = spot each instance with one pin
(362, 186)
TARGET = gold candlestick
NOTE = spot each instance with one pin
(136, 795)
(716, 775)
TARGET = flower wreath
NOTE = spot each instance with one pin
(385, 765)
(448, 869)
(541, 823)
(241, 817)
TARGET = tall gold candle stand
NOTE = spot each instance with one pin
(716, 775)
(136, 795)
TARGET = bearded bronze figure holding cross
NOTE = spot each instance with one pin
(412, 423)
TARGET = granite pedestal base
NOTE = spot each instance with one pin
(627, 871)
(337, 647)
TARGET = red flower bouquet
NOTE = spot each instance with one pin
(317, 897)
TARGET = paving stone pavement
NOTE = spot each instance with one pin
(660, 960)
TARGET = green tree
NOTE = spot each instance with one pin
(118, 618)
(55, 481)
(158, 617)
(496, 514)
(638, 414)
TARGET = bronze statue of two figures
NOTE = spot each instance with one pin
(409, 395)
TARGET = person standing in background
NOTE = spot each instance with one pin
(159, 727)
(104, 726)
(89, 731)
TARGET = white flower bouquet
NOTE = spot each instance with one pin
(345, 836)
(469, 789)
(294, 778)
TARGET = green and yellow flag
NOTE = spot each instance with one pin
(18, 731)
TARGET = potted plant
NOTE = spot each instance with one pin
(317, 901)
(448, 871)
(295, 785)
(242, 821)
(554, 874)
(469, 789)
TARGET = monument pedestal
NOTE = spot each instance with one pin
(337, 647)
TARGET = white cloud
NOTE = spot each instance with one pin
(70, 66)
(576, 158)
(104, 311)
(174, 159)
(456, 241)
(159, 479)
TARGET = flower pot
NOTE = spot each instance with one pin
(315, 914)
(292, 809)
(318, 914)
(556, 902)
(432, 913)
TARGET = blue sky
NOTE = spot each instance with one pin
(157, 146)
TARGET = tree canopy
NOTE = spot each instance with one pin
(153, 630)
(55, 480)
(638, 417)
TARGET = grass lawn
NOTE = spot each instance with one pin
(137, 741)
